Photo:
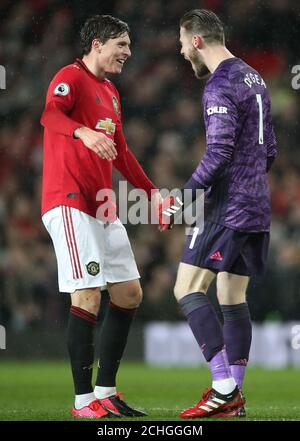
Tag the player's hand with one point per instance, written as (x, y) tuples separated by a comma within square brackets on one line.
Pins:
[(158, 204), (166, 217), (156, 200), (168, 209), (98, 142)]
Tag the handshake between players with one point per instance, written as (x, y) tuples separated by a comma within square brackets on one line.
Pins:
[(168, 208)]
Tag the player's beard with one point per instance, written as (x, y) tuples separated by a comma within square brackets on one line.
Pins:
[(200, 69)]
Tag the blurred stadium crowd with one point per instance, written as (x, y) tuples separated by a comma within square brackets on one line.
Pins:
[(162, 116)]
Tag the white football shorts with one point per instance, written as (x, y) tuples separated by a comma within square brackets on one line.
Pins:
[(89, 253)]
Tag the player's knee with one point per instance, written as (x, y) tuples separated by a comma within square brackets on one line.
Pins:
[(130, 299), (222, 297), (183, 289), (134, 298), (87, 299), (184, 286), (94, 304), (231, 298), (179, 291)]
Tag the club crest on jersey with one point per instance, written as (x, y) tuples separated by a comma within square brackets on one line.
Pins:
[(62, 89), (106, 124), (216, 109), (115, 104), (93, 268)]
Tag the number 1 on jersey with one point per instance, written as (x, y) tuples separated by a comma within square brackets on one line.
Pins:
[(261, 119), (195, 233)]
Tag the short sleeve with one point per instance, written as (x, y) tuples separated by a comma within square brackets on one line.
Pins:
[(63, 88)]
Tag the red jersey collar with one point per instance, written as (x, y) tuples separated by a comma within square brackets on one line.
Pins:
[(84, 66)]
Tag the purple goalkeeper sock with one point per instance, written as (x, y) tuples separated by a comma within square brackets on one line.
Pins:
[(219, 366), (204, 323), (237, 331), (238, 373)]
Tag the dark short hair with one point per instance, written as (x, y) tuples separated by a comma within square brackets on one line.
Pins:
[(101, 27), (205, 23)]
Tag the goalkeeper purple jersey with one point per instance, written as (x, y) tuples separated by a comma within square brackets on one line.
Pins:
[(240, 149)]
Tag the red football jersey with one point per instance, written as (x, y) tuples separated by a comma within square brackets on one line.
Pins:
[(72, 173)]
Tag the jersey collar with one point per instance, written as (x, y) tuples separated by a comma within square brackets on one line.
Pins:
[(84, 67)]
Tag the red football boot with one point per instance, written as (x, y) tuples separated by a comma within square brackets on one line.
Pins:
[(212, 403), (239, 412), (93, 410)]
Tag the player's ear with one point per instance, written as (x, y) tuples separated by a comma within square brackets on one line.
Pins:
[(97, 45), (197, 42)]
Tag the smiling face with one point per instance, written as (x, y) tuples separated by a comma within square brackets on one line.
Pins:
[(191, 53), (113, 54)]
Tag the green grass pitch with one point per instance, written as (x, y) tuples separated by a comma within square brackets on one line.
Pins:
[(43, 391)]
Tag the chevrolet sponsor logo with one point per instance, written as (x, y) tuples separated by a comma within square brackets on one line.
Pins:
[(107, 125)]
